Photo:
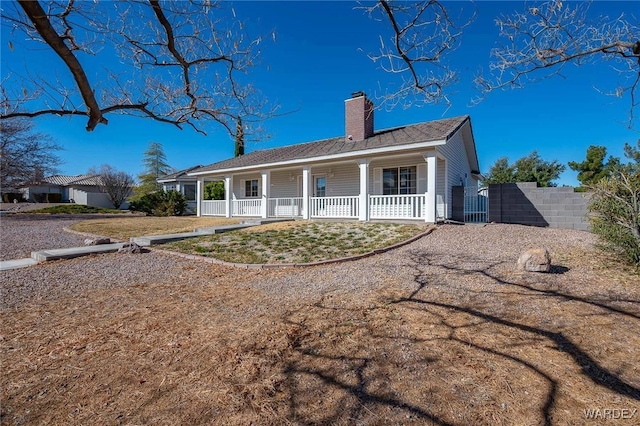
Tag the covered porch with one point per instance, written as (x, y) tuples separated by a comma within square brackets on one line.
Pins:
[(407, 187)]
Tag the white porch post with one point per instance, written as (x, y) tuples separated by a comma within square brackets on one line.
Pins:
[(430, 196), (266, 181), (228, 195), (364, 190), (199, 187), (306, 182)]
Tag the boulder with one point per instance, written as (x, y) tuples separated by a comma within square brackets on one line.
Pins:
[(130, 248), (96, 241), (535, 260)]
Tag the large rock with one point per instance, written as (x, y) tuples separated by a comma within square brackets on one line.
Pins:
[(535, 260), (96, 241), (130, 248)]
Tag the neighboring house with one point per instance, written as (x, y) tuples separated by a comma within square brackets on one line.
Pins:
[(79, 189), (401, 173), (184, 184)]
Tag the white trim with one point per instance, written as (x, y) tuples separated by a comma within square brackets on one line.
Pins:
[(364, 190), (431, 199), (361, 153), (306, 174), (199, 196)]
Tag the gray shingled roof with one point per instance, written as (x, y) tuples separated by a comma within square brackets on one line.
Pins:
[(62, 180), (399, 136), (178, 174)]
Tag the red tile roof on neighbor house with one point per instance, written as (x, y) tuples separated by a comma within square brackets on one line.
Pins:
[(400, 136)]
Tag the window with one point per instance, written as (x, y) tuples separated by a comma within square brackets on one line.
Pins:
[(251, 188), (321, 186), (190, 191), (399, 180), (169, 186)]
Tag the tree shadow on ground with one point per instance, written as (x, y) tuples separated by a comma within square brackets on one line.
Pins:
[(362, 382)]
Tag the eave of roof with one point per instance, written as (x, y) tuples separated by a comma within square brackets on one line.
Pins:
[(179, 174)]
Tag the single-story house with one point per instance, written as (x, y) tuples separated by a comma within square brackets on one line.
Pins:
[(401, 173), (78, 189), (183, 183)]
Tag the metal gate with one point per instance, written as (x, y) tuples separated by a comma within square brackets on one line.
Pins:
[(476, 205)]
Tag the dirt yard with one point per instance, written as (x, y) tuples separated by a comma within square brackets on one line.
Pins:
[(443, 331)]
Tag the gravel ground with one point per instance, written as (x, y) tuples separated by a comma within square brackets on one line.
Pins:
[(22, 234), (491, 249)]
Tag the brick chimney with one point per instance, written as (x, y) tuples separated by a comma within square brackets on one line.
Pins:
[(358, 117)]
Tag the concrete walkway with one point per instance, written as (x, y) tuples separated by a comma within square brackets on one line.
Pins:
[(145, 241)]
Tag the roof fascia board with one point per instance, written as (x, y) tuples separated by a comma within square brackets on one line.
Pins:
[(353, 154)]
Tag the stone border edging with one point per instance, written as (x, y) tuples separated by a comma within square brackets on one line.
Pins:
[(294, 265)]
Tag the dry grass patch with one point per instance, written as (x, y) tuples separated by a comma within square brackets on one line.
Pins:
[(125, 228), (297, 242)]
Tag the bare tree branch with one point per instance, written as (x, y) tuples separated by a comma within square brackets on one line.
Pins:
[(36, 13), (422, 34), (152, 39), (542, 40)]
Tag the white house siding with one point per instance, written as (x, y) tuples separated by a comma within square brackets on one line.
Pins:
[(282, 184), (457, 163), (343, 180), (30, 192)]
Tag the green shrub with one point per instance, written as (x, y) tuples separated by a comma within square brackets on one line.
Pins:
[(160, 203), (615, 208), (214, 191)]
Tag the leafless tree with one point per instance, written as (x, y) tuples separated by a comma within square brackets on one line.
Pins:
[(116, 184), (542, 40), (422, 33), (178, 62), (24, 154)]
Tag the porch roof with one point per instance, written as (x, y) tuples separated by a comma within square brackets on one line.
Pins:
[(431, 131), (181, 174)]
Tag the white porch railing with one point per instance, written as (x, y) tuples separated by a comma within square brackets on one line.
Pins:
[(250, 207), (334, 207), (397, 206), (213, 208), (284, 207)]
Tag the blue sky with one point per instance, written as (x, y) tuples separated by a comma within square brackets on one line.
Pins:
[(319, 59)]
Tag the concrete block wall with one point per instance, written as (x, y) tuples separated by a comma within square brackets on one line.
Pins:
[(526, 204)]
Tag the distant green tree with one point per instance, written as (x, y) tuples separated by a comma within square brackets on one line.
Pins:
[(531, 168), (214, 191), (239, 144), (594, 168), (500, 172), (155, 166), (632, 153)]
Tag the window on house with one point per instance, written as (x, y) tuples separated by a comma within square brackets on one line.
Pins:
[(321, 186), (251, 188), (190, 191), (169, 187), (399, 180)]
